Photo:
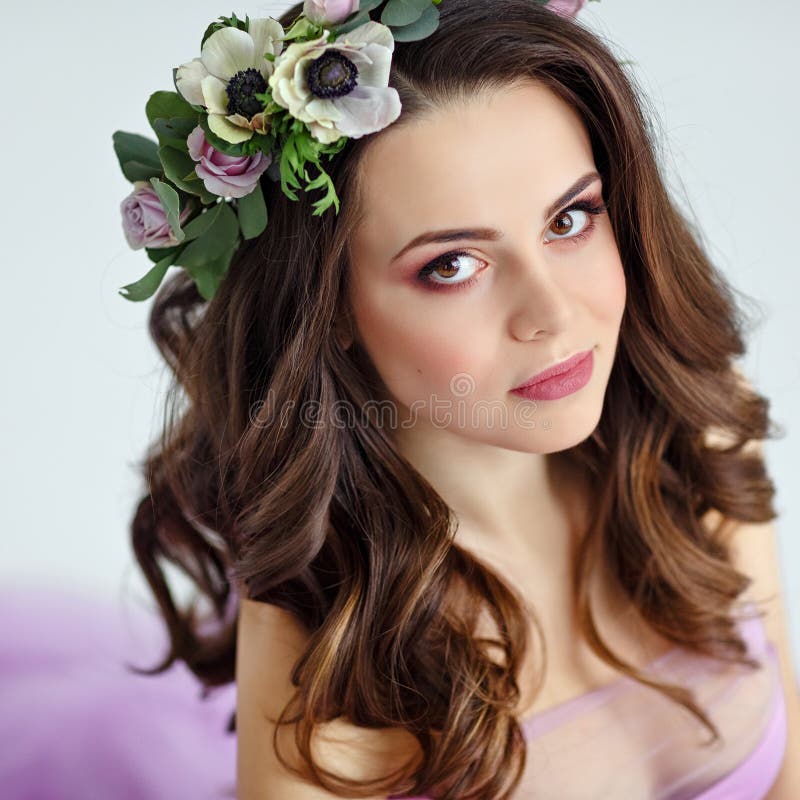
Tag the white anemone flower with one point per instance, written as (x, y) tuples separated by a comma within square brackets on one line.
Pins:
[(341, 88), (230, 71)]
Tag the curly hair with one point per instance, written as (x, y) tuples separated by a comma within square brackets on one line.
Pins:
[(331, 523)]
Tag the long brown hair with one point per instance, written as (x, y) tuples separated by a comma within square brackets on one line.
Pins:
[(330, 522)]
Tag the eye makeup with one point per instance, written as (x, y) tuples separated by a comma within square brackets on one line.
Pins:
[(592, 206)]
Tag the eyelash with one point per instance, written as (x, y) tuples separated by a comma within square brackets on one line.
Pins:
[(593, 206)]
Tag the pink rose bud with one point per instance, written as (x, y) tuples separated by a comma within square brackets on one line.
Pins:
[(567, 8), (224, 175), (144, 220), (329, 12)]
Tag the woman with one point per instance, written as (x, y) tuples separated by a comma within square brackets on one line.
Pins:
[(463, 587)]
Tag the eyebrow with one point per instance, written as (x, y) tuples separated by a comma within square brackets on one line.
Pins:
[(492, 234)]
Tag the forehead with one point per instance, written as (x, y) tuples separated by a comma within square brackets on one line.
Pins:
[(505, 150)]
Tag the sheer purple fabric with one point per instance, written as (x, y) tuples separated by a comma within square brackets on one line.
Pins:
[(74, 724), (626, 740)]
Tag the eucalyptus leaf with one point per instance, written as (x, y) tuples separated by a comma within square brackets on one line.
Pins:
[(146, 286), (364, 7), (171, 203), (219, 237), (209, 274), (359, 19), (168, 105), (177, 165), (403, 12), (174, 131), (197, 227), (155, 254), (252, 213), (137, 156), (134, 171), (421, 29), (368, 5)]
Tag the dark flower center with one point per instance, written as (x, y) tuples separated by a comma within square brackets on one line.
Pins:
[(331, 75), (241, 88)]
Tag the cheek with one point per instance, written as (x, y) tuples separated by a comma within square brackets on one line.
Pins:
[(608, 292), (416, 352)]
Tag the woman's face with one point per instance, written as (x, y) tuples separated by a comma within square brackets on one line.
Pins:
[(519, 283)]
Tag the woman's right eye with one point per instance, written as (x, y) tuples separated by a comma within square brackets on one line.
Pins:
[(449, 265)]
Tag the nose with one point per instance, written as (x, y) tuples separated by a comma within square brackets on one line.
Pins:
[(540, 305)]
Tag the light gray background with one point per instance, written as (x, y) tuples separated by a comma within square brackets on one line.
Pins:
[(83, 386)]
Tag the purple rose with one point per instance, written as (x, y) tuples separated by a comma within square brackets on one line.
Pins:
[(224, 175), (567, 8), (329, 12), (144, 220)]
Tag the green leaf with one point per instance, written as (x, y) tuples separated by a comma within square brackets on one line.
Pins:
[(171, 203), (207, 258), (201, 223), (219, 237), (360, 18), (252, 213), (421, 29), (209, 275), (137, 156), (302, 27), (134, 171), (174, 131), (403, 12), (147, 285), (355, 19), (220, 144), (155, 254), (368, 5), (177, 165), (168, 105)]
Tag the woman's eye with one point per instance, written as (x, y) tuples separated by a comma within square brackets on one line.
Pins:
[(577, 221), (450, 269), (568, 224)]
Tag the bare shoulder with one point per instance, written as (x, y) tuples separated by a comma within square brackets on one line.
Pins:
[(269, 642), (755, 552)]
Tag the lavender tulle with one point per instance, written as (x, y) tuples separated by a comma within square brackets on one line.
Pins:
[(75, 724)]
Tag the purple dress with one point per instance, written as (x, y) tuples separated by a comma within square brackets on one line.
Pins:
[(75, 725)]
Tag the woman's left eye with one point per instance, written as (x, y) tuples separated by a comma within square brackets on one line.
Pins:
[(575, 222)]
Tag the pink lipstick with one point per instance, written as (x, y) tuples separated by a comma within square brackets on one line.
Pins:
[(559, 380)]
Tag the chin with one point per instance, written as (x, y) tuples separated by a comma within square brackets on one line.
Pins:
[(551, 427)]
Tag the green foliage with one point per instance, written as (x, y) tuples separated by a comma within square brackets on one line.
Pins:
[(220, 144), (252, 211), (155, 254), (423, 27), (137, 156), (174, 132), (226, 22), (398, 13), (299, 148), (179, 169), (218, 236), (210, 275), (168, 105), (146, 286), (359, 18), (171, 204), (355, 19), (202, 222), (302, 28)]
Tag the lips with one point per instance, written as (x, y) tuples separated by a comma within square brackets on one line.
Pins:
[(556, 369)]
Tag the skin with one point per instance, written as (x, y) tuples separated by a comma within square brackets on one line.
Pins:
[(498, 161)]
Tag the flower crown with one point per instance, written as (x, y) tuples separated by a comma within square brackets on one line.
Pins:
[(248, 107)]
